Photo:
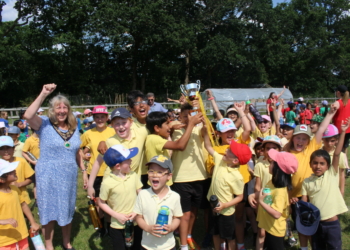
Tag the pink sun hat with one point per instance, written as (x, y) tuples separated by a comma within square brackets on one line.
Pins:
[(287, 162), (330, 131)]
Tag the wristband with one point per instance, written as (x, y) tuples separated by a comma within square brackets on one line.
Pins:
[(83, 170), (211, 98)]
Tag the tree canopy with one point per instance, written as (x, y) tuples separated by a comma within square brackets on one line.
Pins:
[(99, 47)]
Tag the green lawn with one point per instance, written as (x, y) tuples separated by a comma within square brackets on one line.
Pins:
[(83, 234)]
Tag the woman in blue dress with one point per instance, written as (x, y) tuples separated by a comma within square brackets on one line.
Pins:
[(56, 170)]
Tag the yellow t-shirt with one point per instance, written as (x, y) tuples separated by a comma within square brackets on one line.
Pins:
[(92, 138), (325, 194), (280, 203), (142, 127), (239, 132), (342, 164), (18, 149), (10, 207), (120, 194), (226, 183), (262, 171), (32, 145), (304, 170), (23, 171), (138, 138), (148, 205), (257, 133), (154, 146), (189, 164), (243, 169)]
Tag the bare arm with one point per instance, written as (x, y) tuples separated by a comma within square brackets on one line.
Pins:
[(304, 198), (24, 183), (231, 203), (25, 156), (30, 115), (95, 168), (324, 124), (213, 103), (246, 124), (80, 164), (207, 143), (275, 214), (257, 186), (122, 218), (279, 95), (342, 181), (335, 162), (155, 230), (26, 210)]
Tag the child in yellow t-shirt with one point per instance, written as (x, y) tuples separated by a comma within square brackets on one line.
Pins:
[(118, 194), (14, 133), (24, 171), (14, 232), (273, 209)]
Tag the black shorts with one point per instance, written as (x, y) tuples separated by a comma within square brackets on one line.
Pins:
[(118, 239), (205, 204), (97, 185), (222, 225), (273, 242), (327, 236), (191, 194), (33, 176)]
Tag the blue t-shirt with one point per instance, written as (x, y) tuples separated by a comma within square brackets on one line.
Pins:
[(5, 121), (157, 107)]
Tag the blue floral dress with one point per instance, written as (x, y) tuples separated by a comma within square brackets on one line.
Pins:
[(56, 175)]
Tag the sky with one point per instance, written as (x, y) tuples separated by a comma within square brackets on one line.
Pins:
[(9, 13)]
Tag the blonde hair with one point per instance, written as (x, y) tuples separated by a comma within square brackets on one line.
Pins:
[(4, 115), (70, 120), (345, 97)]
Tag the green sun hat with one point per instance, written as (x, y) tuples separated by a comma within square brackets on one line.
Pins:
[(317, 118)]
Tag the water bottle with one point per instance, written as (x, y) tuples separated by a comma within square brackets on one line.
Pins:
[(214, 202), (163, 216), (254, 112), (94, 215), (36, 239), (268, 198), (129, 233)]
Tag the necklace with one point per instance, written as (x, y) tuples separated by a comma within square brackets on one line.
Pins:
[(64, 135)]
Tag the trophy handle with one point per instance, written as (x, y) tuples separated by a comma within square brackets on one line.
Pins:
[(198, 85), (183, 90)]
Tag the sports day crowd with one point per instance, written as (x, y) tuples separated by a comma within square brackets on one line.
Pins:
[(281, 173)]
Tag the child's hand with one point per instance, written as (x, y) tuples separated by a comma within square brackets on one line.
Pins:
[(251, 199), (209, 93), (155, 230), (261, 196), (293, 200), (102, 147), (91, 192), (194, 120), (240, 106), (345, 124), (132, 216), (15, 183), (167, 228), (333, 109), (177, 126), (11, 222), (48, 89), (182, 99), (122, 218), (195, 103), (87, 157), (35, 227), (220, 207)]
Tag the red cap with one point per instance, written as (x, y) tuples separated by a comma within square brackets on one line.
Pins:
[(241, 151), (100, 110), (287, 162)]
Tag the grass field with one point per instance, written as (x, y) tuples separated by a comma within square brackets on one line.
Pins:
[(84, 236)]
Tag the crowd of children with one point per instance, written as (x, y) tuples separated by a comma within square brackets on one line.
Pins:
[(288, 169)]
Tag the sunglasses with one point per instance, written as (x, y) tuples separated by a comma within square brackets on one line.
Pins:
[(264, 122)]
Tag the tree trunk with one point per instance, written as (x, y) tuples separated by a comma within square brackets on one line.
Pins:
[(187, 72)]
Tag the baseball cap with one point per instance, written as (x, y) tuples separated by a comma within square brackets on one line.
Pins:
[(288, 124), (6, 140), (308, 218), (40, 110), (76, 113), (118, 153), (317, 118), (301, 99), (302, 129), (100, 110), (87, 120), (341, 88), (241, 151), (330, 131), (162, 161), (266, 117), (7, 167), (324, 102), (14, 130), (87, 111), (231, 110), (287, 162), (120, 112), (224, 125), (274, 139)]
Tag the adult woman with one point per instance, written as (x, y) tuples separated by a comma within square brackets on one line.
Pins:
[(343, 107), (273, 98), (56, 170)]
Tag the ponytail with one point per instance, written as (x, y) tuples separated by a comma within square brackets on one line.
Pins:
[(345, 97)]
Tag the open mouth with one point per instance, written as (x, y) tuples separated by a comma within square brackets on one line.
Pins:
[(155, 183), (142, 112), (299, 147), (122, 132)]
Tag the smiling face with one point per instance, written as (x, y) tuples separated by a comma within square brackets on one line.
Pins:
[(184, 116), (264, 126), (159, 177), (140, 109), (227, 137), (232, 115), (314, 126), (100, 120), (230, 158), (319, 165), (61, 112), (20, 125), (122, 127), (287, 132), (300, 142), (164, 130), (267, 146), (10, 177), (6, 153), (330, 143)]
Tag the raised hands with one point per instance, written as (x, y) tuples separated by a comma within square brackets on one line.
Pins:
[(345, 125), (48, 89)]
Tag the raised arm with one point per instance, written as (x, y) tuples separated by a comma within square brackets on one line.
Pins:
[(30, 115), (245, 121), (279, 95), (213, 103), (344, 126), (207, 143), (324, 124)]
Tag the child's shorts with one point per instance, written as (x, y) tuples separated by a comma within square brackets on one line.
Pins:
[(222, 225), (327, 236), (20, 245), (97, 185)]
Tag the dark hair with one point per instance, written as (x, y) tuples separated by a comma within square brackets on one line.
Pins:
[(279, 178), (270, 96), (132, 97), (156, 118), (15, 122), (170, 110), (2, 131), (321, 153), (185, 106), (21, 113), (308, 103), (221, 111), (325, 110), (291, 105)]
